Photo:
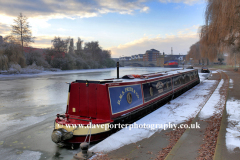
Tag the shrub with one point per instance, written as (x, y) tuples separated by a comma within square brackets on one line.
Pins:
[(3, 61), (14, 68), (37, 58)]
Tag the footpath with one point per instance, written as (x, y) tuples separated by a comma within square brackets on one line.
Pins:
[(222, 152), (208, 142)]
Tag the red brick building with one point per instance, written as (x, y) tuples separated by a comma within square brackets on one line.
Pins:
[(151, 55)]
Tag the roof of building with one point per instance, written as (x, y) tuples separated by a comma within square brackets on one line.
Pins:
[(152, 50), (115, 59), (31, 49), (177, 56), (173, 57)]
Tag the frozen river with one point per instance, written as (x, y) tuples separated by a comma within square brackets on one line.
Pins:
[(28, 107)]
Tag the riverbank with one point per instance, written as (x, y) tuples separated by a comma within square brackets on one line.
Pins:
[(218, 137), (15, 69)]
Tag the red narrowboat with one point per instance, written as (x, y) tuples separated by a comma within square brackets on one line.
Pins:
[(171, 64), (95, 105)]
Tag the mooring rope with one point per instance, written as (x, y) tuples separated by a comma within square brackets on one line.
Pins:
[(90, 129)]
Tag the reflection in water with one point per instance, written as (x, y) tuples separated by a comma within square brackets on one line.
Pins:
[(57, 156)]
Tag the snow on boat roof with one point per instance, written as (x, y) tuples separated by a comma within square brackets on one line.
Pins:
[(131, 78)]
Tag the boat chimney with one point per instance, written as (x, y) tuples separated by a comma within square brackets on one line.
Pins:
[(117, 70)]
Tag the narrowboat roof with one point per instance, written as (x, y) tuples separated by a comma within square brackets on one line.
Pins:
[(130, 78)]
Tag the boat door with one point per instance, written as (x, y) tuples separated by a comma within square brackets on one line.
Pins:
[(88, 100)]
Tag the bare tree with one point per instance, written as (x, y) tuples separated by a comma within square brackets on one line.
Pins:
[(92, 56), (94, 49), (194, 52), (60, 45), (222, 28), (22, 30), (79, 44)]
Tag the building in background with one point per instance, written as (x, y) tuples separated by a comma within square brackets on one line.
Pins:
[(32, 50), (160, 61), (140, 57), (134, 57), (125, 58), (151, 55), (179, 58)]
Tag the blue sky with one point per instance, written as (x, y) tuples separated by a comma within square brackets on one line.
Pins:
[(125, 27)]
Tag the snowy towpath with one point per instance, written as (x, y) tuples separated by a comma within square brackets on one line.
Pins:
[(179, 110), (233, 128)]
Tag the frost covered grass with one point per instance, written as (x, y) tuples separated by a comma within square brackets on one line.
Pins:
[(230, 83), (203, 76), (233, 128), (16, 69), (209, 108)]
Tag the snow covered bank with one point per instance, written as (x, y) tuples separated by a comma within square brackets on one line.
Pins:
[(233, 128), (31, 73), (230, 83), (16, 69), (209, 108), (179, 110), (203, 76)]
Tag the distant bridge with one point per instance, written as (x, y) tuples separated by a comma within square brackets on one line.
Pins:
[(139, 63)]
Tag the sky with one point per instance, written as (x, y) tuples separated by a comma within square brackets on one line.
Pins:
[(126, 27)]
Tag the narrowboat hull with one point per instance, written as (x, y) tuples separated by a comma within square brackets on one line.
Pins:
[(170, 66), (95, 108)]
